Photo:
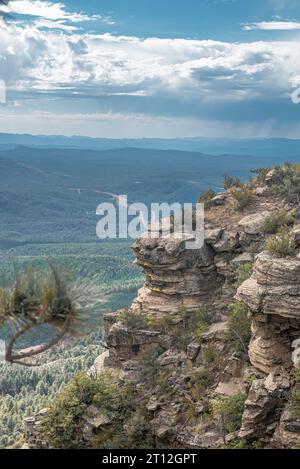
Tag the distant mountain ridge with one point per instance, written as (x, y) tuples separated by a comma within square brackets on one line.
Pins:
[(277, 147), (51, 194)]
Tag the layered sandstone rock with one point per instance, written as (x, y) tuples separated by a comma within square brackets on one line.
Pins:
[(176, 278), (126, 343), (287, 434), (261, 410), (273, 296)]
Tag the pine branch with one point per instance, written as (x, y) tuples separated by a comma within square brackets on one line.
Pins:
[(11, 358)]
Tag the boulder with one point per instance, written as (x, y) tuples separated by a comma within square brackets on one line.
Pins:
[(296, 235), (188, 438), (165, 421), (234, 368), (217, 331), (230, 388), (241, 259), (277, 380), (228, 242), (171, 359), (101, 362), (251, 294), (253, 224), (126, 344), (271, 271), (193, 349), (273, 177), (213, 235), (153, 404), (219, 199), (95, 418), (261, 191), (259, 411)]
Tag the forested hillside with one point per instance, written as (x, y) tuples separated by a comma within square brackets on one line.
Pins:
[(48, 201), (24, 391)]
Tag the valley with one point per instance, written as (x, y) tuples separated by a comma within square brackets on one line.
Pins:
[(48, 200)]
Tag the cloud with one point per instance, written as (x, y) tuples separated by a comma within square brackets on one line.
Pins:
[(273, 26), (59, 24), (184, 70), (135, 125), (49, 11), (114, 84)]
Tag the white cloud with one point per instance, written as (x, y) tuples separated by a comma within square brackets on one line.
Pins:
[(273, 26), (43, 56), (59, 24), (49, 11), (153, 77), (45, 59)]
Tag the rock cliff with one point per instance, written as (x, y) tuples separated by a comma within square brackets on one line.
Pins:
[(183, 343)]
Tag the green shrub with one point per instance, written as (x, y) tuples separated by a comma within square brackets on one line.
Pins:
[(62, 426), (296, 393), (150, 364), (139, 431), (231, 181), (276, 220), (180, 341), (210, 355), (194, 324), (229, 411), (193, 319), (201, 379), (287, 184), (164, 324), (135, 431), (241, 443), (282, 243), (243, 197), (242, 273), (239, 331), (206, 198), (297, 375), (296, 402), (152, 371), (261, 174), (134, 320)]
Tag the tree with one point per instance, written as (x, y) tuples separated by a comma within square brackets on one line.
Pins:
[(37, 298)]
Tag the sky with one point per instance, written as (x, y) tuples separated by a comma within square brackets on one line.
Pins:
[(151, 68)]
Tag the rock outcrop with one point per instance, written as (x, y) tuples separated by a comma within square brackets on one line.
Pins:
[(273, 297), (180, 280), (195, 363), (175, 278), (32, 433)]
